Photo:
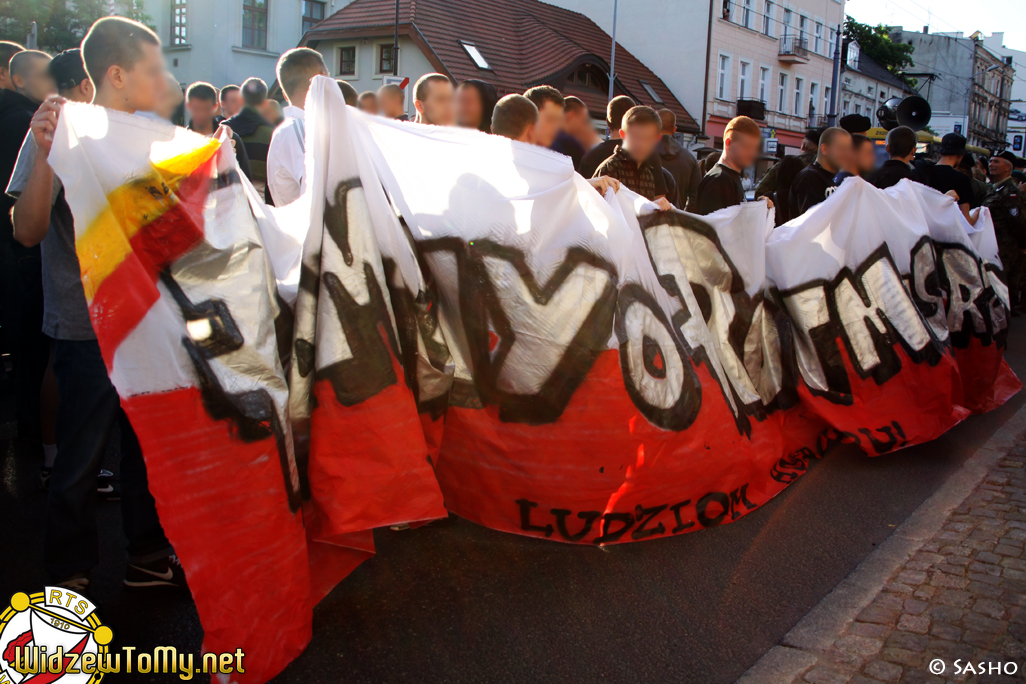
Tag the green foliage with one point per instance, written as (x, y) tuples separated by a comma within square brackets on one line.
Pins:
[(875, 42), (61, 24)]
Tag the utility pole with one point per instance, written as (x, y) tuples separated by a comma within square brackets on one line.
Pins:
[(395, 44), (835, 76), (612, 63)]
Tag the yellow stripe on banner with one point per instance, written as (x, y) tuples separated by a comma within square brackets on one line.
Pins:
[(105, 244)]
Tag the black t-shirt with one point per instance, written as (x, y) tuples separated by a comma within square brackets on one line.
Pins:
[(812, 185), (890, 173), (720, 188), (943, 178)]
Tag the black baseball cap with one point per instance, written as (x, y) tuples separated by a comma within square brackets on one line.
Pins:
[(952, 143), (67, 69), (855, 123), (813, 135)]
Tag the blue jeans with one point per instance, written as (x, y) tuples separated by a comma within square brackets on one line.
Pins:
[(89, 407)]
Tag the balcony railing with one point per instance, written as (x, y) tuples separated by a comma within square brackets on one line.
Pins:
[(794, 48), (755, 109)]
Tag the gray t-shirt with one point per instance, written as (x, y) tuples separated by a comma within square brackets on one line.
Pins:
[(65, 312)]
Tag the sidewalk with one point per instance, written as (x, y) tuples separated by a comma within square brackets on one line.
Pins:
[(942, 600)]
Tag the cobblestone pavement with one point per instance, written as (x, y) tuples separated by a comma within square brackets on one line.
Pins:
[(960, 601)]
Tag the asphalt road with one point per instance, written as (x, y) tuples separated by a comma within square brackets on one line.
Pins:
[(455, 602)]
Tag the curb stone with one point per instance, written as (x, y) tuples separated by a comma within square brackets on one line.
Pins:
[(801, 648)]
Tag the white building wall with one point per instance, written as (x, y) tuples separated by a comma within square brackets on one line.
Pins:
[(1017, 117), (214, 51)]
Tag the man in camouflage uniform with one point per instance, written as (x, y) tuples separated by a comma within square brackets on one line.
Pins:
[(1008, 210)]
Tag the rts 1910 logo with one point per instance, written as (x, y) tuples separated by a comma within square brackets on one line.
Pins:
[(52, 636)]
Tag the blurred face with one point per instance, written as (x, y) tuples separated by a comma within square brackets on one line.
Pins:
[(34, 82), (391, 104), (640, 140), (369, 104), (550, 123), (231, 104), (1000, 169), (440, 106), (577, 122), (468, 107), (169, 100), (865, 158), (143, 88), (271, 110), (201, 112), (742, 149), (837, 153)]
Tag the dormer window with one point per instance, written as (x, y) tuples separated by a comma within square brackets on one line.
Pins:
[(587, 77), (853, 55), (651, 92), (475, 55)]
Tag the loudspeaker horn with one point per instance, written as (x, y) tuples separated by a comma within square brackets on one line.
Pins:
[(913, 111)]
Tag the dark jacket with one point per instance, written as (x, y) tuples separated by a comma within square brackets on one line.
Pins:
[(683, 166), (568, 145), (768, 184), (16, 112), (890, 173), (255, 133), (594, 157), (718, 189), (640, 179), (240, 151)]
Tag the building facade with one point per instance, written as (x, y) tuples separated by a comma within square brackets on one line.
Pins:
[(866, 84), (1017, 112), (472, 39), (968, 86), (230, 40)]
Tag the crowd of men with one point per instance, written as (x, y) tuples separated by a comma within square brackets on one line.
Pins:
[(66, 401)]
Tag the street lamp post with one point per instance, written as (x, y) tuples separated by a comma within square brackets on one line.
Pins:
[(395, 43), (612, 63)]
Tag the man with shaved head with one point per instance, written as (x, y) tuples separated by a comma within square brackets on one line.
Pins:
[(7, 50)]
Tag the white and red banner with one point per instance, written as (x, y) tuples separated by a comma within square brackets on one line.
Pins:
[(449, 320)]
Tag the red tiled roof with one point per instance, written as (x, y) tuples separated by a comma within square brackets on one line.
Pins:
[(526, 43)]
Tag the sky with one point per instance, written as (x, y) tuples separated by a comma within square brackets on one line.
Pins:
[(947, 15)]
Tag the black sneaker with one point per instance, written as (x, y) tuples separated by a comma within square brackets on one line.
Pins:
[(165, 572), (106, 488)]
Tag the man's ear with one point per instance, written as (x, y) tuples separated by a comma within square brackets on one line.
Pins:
[(623, 132)]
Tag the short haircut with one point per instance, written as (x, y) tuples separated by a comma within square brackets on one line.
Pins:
[(296, 67), (21, 60), (669, 120), (390, 89), (367, 94), (901, 141), (539, 95), (201, 91), (226, 91), (423, 86), (641, 116), (254, 91), (114, 41), (743, 125), (349, 93), (858, 140), (572, 103), (831, 134), (8, 50), (616, 108), (512, 115)]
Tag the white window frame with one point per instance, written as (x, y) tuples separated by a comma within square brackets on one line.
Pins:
[(782, 90), (338, 62), (744, 74), (803, 25), (799, 84), (768, 13), (723, 75), (179, 40), (814, 94), (827, 95), (747, 13), (818, 37), (765, 84)]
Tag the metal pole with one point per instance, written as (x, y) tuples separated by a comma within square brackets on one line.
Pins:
[(395, 44), (612, 64), (835, 76)]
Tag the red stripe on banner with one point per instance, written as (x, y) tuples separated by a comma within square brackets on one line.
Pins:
[(570, 481), (987, 381), (919, 404), (369, 464), (124, 297), (223, 506)]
